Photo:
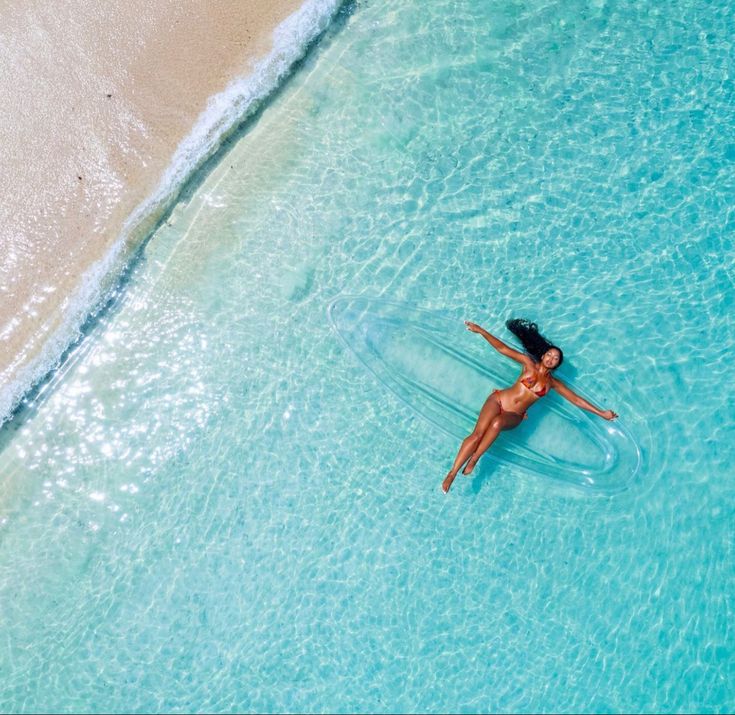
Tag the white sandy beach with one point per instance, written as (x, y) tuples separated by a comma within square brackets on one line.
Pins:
[(96, 99)]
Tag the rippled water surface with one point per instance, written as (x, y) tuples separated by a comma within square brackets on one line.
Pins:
[(214, 506)]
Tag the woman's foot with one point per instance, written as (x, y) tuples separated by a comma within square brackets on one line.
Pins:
[(448, 482)]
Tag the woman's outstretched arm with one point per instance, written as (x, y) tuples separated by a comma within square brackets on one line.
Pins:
[(579, 401), (499, 345)]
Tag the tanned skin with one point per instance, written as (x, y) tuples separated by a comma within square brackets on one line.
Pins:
[(515, 401)]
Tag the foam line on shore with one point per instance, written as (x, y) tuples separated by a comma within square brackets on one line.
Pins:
[(225, 111)]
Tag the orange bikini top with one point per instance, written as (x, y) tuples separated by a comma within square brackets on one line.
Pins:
[(530, 381)]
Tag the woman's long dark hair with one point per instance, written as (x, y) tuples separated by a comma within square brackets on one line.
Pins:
[(534, 343)]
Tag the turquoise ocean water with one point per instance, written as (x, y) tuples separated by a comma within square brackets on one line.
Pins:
[(214, 506)]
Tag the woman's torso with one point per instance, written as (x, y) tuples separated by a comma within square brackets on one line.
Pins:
[(526, 390)]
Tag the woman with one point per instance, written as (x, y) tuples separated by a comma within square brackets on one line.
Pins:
[(505, 409)]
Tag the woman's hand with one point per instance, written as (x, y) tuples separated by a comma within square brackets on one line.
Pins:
[(473, 327), (609, 415)]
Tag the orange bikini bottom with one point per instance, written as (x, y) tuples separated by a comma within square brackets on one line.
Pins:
[(500, 405)]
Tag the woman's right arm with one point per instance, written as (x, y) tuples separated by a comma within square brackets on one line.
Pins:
[(499, 345)]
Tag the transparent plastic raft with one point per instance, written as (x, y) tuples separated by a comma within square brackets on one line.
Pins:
[(444, 373)]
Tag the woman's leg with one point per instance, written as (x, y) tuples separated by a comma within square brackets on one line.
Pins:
[(508, 420), (489, 411)]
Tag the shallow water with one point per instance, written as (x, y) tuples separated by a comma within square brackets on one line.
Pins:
[(214, 506)]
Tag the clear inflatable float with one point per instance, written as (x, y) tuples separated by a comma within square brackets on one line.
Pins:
[(444, 373)]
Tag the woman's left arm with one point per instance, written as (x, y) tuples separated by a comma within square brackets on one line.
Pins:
[(579, 401)]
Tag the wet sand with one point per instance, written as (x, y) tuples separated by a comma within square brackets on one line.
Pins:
[(96, 99)]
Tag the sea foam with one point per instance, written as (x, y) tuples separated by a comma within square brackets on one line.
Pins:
[(225, 111)]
